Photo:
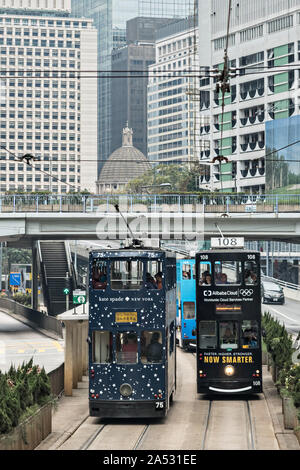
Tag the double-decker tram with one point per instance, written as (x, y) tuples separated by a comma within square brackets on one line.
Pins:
[(186, 303), (132, 333), (228, 322)]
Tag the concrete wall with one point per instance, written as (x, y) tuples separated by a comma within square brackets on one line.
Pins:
[(38, 319)]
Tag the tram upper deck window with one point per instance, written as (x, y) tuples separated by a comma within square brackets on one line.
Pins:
[(204, 274), (126, 275), (188, 272), (250, 273), (249, 334), (229, 272), (127, 348), (154, 276), (102, 347), (99, 275), (208, 335), (228, 332), (151, 347)]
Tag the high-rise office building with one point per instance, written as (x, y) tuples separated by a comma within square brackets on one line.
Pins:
[(172, 109), (129, 92), (45, 108), (110, 18), (264, 47)]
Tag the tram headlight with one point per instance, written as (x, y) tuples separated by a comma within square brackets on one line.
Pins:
[(126, 390), (229, 371)]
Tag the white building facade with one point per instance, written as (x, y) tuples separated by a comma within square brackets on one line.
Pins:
[(264, 47), (172, 109), (48, 108)]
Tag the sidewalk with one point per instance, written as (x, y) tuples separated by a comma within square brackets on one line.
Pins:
[(71, 412), (67, 416)]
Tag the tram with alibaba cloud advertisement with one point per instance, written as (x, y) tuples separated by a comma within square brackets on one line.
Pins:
[(132, 333), (228, 322)]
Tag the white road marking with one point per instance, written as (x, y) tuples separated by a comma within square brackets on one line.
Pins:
[(283, 315)]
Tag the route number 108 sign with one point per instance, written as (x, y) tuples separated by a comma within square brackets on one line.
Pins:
[(228, 242)]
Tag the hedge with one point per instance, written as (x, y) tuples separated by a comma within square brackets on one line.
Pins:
[(280, 345), (21, 389)]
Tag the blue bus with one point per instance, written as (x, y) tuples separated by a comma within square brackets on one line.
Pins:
[(132, 333), (186, 303)]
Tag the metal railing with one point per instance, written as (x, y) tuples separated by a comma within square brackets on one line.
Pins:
[(285, 284), (150, 203)]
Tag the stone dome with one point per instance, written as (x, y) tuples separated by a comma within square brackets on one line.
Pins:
[(124, 164)]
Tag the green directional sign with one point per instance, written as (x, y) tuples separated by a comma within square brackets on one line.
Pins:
[(66, 291), (79, 297)]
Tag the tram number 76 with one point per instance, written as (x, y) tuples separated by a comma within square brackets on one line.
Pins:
[(159, 405)]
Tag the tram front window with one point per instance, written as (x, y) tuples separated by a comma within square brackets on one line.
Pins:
[(228, 332), (126, 275), (102, 347), (127, 348), (204, 274), (151, 347), (250, 273), (229, 272), (99, 275), (249, 334)]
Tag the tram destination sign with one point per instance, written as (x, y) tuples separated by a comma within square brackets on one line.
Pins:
[(126, 317), (228, 242)]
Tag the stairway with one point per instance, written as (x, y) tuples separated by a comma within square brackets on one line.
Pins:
[(56, 262)]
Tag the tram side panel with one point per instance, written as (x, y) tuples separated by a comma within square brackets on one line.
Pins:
[(228, 323), (186, 302)]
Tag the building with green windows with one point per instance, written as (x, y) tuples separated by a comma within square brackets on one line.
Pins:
[(263, 52)]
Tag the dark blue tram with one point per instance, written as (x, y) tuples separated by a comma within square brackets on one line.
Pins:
[(132, 315)]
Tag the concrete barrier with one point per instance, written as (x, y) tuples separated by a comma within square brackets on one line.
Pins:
[(38, 319), (291, 293), (57, 380)]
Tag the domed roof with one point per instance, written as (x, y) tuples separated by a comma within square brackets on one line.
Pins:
[(125, 163)]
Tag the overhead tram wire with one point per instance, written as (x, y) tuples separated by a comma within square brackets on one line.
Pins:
[(26, 162), (139, 161)]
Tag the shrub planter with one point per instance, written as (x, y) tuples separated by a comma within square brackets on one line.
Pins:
[(29, 434)]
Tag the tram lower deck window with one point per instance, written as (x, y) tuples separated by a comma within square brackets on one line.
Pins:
[(189, 310), (208, 335), (102, 347), (151, 347), (249, 334), (127, 348), (228, 332)]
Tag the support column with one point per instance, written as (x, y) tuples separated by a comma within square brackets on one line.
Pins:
[(75, 354), (79, 370), (35, 282), (68, 378), (84, 336)]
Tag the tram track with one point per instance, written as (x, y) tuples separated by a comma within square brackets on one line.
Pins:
[(224, 415), (105, 432)]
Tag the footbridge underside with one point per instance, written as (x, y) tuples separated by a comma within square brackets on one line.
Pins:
[(23, 229)]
